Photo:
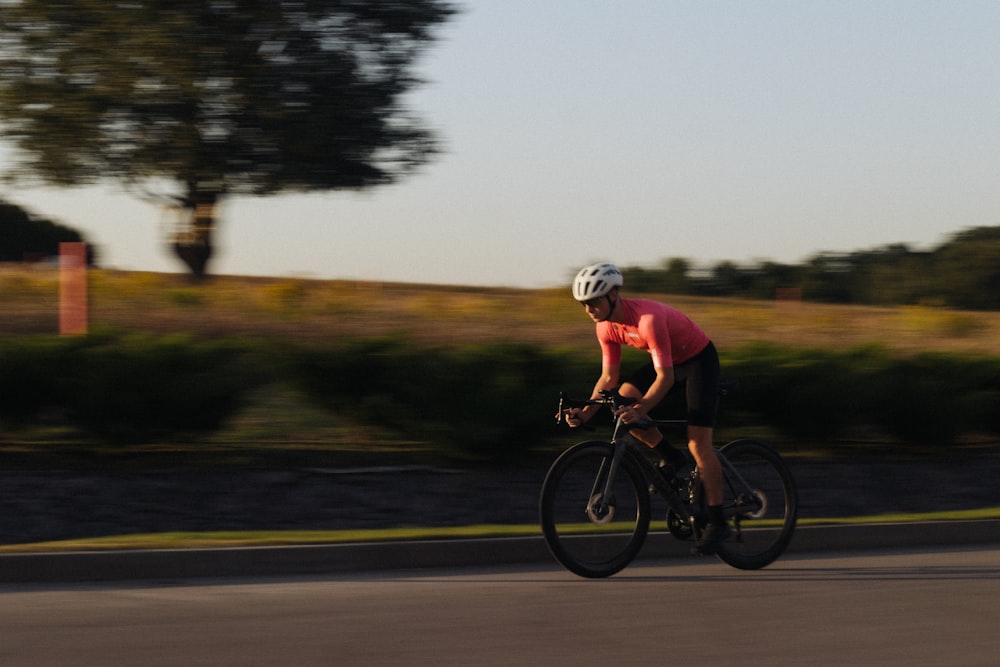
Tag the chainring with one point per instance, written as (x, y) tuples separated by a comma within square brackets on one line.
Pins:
[(678, 527)]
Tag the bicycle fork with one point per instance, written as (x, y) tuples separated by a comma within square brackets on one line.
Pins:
[(601, 505)]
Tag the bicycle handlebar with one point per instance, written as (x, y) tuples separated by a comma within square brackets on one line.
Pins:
[(614, 400), (608, 397)]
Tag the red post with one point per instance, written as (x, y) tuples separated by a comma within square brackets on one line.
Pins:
[(72, 288)]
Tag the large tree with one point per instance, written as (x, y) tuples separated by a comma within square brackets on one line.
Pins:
[(196, 100)]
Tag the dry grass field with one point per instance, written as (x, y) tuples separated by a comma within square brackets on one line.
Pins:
[(314, 311)]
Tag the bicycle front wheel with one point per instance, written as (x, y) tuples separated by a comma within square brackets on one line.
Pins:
[(592, 525), (760, 502)]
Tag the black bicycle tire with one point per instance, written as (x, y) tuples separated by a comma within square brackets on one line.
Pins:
[(547, 498), (728, 553)]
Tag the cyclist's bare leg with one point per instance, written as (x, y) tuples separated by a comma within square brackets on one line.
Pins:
[(700, 446), (650, 437)]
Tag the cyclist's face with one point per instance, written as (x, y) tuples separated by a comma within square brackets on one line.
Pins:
[(598, 308)]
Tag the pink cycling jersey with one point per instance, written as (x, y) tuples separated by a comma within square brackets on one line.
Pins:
[(669, 336)]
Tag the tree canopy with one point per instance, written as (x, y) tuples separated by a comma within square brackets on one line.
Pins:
[(212, 98), (24, 237)]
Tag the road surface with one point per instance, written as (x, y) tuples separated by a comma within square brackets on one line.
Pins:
[(914, 607)]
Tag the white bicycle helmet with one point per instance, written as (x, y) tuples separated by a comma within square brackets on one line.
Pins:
[(596, 280)]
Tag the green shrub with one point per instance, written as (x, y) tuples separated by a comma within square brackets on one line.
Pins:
[(32, 373), (929, 398), (484, 402), (490, 402), (140, 389), (806, 393), (975, 384), (496, 401), (125, 388)]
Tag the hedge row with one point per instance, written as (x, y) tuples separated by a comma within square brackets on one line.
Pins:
[(484, 401), (925, 398), (123, 388)]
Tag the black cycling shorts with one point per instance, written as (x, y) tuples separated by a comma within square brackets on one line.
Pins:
[(700, 378)]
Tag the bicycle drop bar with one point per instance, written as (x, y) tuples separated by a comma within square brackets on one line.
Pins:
[(612, 399), (566, 402)]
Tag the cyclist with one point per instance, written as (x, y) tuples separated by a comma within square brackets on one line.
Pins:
[(680, 353)]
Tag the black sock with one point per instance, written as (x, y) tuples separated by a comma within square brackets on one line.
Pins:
[(715, 516)]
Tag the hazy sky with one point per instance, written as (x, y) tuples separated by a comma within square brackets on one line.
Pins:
[(586, 130)]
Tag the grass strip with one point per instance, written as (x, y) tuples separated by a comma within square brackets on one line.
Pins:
[(216, 539), (954, 515), (221, 539)]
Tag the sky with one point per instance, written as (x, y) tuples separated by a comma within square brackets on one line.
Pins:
[(577, 131)]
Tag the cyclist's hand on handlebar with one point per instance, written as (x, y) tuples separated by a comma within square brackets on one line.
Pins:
[(573, 417), (629, 414)]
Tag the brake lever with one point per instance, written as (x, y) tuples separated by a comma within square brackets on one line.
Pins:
[(561, 417)]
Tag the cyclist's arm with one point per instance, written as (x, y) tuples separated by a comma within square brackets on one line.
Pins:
[(657, 391), (657, 335)]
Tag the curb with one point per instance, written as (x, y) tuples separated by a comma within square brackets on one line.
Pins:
[(127, 565)]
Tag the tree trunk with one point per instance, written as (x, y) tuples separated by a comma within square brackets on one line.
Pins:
[(193, 241)]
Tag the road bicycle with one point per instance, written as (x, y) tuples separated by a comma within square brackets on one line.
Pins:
[(595, 501)]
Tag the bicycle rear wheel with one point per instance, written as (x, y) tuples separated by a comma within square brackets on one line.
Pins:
[(760, 502), (591, 532)]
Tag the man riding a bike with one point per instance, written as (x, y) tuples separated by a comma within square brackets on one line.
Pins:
[(680, 354)]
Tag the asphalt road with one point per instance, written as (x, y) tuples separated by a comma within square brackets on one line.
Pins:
[(929, 606)]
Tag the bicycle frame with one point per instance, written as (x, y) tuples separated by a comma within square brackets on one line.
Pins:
[(747, 503), (620, 447)]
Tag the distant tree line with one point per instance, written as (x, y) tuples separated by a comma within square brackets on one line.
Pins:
[(963, 272), (26, 238)]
